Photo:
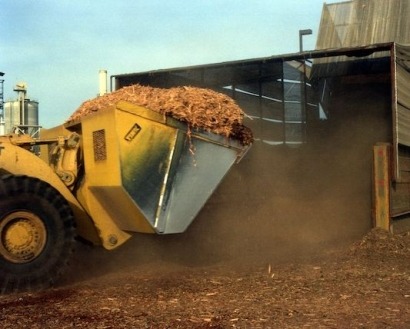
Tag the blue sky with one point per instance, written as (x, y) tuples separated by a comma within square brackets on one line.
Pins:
[(58, 47)]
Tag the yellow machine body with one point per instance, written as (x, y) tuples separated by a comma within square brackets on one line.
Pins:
[(17, 160)]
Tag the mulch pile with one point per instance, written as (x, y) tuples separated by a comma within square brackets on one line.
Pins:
[(200, 108), (366, 285), (379, 241)]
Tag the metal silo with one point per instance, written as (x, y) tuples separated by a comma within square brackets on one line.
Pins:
[(31, 115), (21, 115), (11, 115)]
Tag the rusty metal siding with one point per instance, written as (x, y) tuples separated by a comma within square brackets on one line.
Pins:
[(402, 93), (401, 112), (364, 22)]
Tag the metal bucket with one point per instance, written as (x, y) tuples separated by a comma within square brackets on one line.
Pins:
[(150, 172)]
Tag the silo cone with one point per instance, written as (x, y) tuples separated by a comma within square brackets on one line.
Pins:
[(148, 171)]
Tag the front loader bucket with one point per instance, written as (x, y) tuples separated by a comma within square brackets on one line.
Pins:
[(198, 165), (149, 171)]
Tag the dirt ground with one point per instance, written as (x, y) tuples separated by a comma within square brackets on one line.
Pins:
[(365, 284)]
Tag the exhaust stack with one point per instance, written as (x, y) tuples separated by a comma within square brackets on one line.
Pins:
[(103, 82)]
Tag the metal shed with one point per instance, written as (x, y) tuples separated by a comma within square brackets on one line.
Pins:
[(319, 118)]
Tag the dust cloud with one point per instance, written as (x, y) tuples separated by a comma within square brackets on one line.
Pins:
[(279, 203)]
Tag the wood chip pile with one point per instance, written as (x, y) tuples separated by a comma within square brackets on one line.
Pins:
[(199, 108)]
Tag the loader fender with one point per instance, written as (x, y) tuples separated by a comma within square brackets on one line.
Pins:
[(16, 160)]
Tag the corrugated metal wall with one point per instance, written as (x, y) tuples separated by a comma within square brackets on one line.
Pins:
[(403, 94), (364, 22), (401, 113)]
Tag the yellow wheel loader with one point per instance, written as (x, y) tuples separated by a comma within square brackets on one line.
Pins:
[(122, 170)]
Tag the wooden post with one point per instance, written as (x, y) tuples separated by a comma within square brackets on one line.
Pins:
[(381, 185)]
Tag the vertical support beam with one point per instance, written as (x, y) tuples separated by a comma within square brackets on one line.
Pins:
[(381, 185), (260, 102), (283, 103), (395, 116), (303, 100)]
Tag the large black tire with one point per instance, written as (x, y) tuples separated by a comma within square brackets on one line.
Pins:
[(36, 234)]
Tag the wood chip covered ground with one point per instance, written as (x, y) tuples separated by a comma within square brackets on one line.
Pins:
[(362, 285), (200, 108)]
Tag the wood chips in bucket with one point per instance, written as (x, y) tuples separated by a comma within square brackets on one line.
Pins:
[(200, 108)]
